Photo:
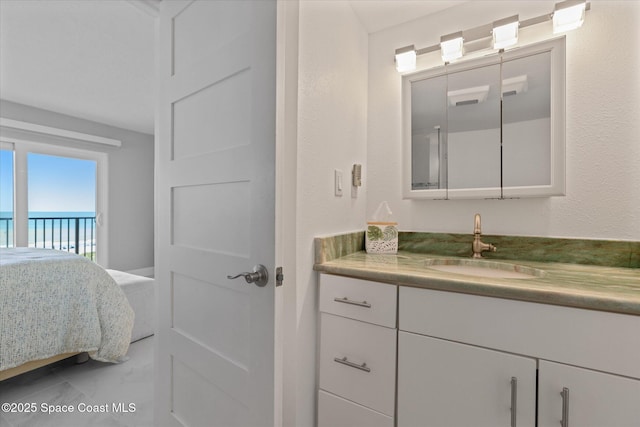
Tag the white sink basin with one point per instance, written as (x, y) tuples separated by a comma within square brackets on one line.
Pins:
[(483, 268)]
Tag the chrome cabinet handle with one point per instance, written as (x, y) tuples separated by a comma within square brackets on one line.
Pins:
[(514, 400), (260, 275), (346, 300), (345, 361), (565, 407)]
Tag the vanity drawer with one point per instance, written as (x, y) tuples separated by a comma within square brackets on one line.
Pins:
[(346, 346), (334, 411), (371, 302)]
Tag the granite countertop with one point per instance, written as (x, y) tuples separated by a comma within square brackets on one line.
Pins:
[(613, 289)]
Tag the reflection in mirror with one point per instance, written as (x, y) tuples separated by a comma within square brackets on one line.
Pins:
[(429, 133), (526, 120), (474, 128)]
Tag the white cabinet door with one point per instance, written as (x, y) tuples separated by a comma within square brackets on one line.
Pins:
[(443, 383), (594, 399)]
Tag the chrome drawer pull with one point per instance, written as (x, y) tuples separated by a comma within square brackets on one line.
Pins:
[(565, 407), (346, 300), (344, 361), (514, 400)]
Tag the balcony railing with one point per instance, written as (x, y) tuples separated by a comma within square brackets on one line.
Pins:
[(6, 232), (71, 234)]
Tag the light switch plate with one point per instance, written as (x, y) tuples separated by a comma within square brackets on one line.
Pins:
[(338, 182)]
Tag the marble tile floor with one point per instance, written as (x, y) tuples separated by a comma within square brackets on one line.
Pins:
[(106, 387)]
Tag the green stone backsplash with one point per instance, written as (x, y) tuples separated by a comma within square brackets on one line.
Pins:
[(332, 247), (610, 253)]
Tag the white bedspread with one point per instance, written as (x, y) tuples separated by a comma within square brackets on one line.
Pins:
[(54, 302)]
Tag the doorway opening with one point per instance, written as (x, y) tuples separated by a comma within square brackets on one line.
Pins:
[(62, 203)]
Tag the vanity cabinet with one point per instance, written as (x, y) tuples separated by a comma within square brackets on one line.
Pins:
[(457, 354), (471, 360), (357, 353), (453, 384)]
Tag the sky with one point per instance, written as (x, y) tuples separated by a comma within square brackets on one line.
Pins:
[(6, 181), (55, 184)]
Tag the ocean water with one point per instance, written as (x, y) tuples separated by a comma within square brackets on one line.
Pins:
[(53, 230)]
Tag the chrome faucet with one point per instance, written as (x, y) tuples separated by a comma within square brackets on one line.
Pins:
[(477, 246)]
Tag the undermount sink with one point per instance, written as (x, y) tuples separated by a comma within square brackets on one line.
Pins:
[(483, 268)]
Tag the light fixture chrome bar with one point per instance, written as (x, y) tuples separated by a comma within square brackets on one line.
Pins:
[(477, 33), (452, 36), (569, 3), (473, 38), (471, 35), (505, 21), (478, 45), (535, 21), (405, 49), (434, 48)]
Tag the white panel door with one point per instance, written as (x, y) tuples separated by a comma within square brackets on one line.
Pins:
[(215, 168), (448, 384)]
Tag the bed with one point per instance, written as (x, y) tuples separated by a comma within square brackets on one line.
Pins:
[(54, 304), (140, 292)]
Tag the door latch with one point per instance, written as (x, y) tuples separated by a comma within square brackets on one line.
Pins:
[(279, 276)]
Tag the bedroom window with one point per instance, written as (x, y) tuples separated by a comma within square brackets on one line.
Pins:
[(53, 197)]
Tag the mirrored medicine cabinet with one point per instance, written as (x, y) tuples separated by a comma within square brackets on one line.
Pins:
[(492, 127)]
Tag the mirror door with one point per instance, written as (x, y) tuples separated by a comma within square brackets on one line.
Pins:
[(527, 121), (473, 106), (429, 134)]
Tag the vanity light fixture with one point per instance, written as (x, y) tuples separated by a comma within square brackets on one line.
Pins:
[(451, 46), (568, 15), (505, 32), (406, 59)]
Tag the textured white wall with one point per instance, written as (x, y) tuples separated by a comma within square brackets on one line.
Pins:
[(603, 127), (332, 125)]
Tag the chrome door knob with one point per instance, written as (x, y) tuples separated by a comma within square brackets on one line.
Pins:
[(259, 276)]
